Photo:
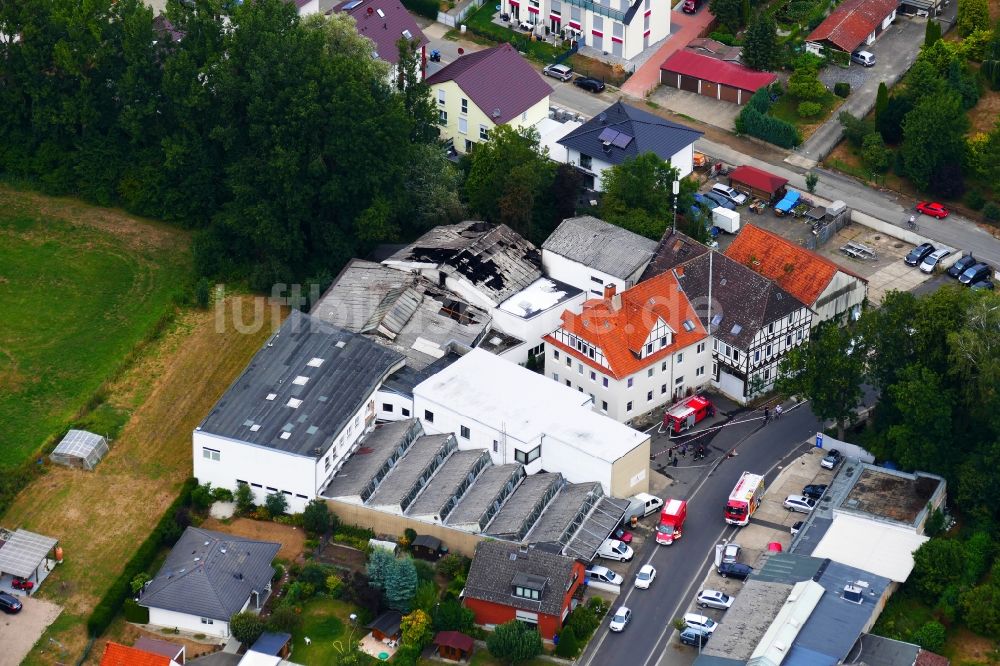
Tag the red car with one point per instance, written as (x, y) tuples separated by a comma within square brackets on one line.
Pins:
[(623, 535), (932, 208)]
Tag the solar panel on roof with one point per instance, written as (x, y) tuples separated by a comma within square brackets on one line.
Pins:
[(622, 140), (352, 4), (608, 135)]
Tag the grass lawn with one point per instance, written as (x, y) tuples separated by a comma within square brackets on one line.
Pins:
[(79, 288), (327, 624), (786, 108)]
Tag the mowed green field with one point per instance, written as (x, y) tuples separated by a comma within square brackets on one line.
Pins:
[(80, 286)]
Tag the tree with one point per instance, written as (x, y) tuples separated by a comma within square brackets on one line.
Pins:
[(924, 435), (760, 45), (881, 99), (638, 195), (981, 609), (936, 565), (400, 584), (246, 627), (416, 628), (244, 498), (415, 92), (855, 129), (284, 619), (380, 562), (933, 134), (972, 15), (890, 121), (825, 372), (932, 33), (728, 12), (744, 12), (804, 83), (514, 642), (931, 636), (426, 596), (139, 582), (875, 154), (316, 517), (451, 615), (568, 646), (811, 179), (275, 503)]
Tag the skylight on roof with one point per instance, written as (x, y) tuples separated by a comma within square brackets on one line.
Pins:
[(407, 34), (271, 396), (294, 403), (688, 325), (716, 319), (285, 435), (315, 362), (736, 329), (300, 380), (255, 427), (381, 14)]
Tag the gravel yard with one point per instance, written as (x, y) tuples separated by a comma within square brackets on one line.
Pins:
[(18, 633)]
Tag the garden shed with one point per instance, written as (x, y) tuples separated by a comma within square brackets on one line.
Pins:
[(80, 448), (758, 183)]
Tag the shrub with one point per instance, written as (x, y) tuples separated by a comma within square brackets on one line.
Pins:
[(244, 499), (425, 571), (809, 109), (426, 8), (452, 565), (136, 613), (409, 535), (975, 200), (855, 129), (991, 211), (246, 627), (203, 293), (754, 121), (811, 180), (568, 646), (285, 619), (584, 622), (931, 636), (279, 572), (514, 641), (139, 582), (334, 585), (222, 494), (201, 497), (451, 615), (315, 574), (316, 517), (842, 89), (276, 504)]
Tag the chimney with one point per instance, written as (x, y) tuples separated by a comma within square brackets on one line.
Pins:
[(616, 302), (610, 290), (679, 272)]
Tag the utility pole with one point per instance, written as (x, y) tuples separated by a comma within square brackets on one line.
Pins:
[(677, 190)]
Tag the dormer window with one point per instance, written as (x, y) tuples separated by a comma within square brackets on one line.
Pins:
[(527, 593), (528, 586)]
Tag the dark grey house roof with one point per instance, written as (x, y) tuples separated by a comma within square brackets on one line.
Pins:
[(388, 623), (872, 650), (271, 643), (211, 574), (379, 450), (301, 388), (599, 245), (645, 133), (498, 563)]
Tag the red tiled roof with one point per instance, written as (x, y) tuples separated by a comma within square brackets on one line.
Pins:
[(851, 22), (383, 22), (620, 328), (116, 654), (498, 80), (925, 658), (700, 66), (454, 639), (757, 179), (801, 272)]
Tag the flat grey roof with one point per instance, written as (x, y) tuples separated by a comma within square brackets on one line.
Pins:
[(379, 447), (881, 651), (484, 493), (448, 480), (565, 512), (301, 388), (407, 473), (602, 246), (605, 516), (744, 624), (22, 551), (521, 510)]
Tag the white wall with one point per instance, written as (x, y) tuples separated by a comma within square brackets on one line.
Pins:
[(584, 468), (580, 276), (402, 406), (448, 419), (834, 303), (534, 329), (311, 7), (192, 623), (683, 160)]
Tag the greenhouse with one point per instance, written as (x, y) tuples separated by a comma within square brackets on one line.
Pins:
[(80, 448)]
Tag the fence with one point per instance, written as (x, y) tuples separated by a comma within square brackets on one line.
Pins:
[(824, 230), (454, 17)]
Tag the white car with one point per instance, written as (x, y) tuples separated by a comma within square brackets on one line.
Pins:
[(620, 619), (706, 624), (613, 549), (731, 195), (933, 259), (800, 503), (645, 576), (714, 599), (604, 575), (731, 553)]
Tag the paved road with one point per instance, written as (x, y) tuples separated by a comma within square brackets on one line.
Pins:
[(682, 567)]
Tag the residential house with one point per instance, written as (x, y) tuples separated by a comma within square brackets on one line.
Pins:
[(207, 578), (296, 412), (385, 22), (522, 417), (621, 28), (510, 582), (699, 71), (306, 7), (116, 654), (753, 322), (632, 352), (484, 89), (621, 132), (493, 268), (852, 25), (595, 256), (831, 291)]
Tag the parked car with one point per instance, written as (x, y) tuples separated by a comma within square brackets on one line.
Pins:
[(645, 577), (982, 284), (918, 254), (736, 570), (620, 619), (719, 200), (9, 603), (613, 549), (694, 637), (731, 553), (797, 526), (799, 503), (933, 209), (604, 575), (702, 622), (589, 83), (714, 599), (623, 535), (966, 261), (561, 72), (931, 261), (866, 58), (730, 194), (814, 490), (831, 460), (974, 273)]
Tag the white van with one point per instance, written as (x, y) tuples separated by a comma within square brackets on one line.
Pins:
[(865, 58)]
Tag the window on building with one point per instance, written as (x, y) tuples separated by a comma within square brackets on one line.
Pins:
[(579, 368), (484, 133), (630, 382), (663, 341), (663, 388), (767, 351), (207, 620), (527, 593), (555, 376), (700, 371), (465, 105), (586, 162), (628, 406), (770, 327), (700, 348), (594, 278), (555, 354), (604, 382), (569, 362), (649, 348), (736, 354), (788, 340), (527, 457), (799, 336), (663, 366), (569, 383), (428, 416), (756, 356), (440, 96), (604, 406), (386, 407), (464, 431), (496, 445), (404, 411), (649, 373), (463, 125), (767, 373), (210, 454), (649, 396), (680, 357), (327, 463), (679, 381), (442, 117), (593, 376)]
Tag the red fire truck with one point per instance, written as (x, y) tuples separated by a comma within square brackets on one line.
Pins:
[(744, 499), (671, 527), (684, 415)]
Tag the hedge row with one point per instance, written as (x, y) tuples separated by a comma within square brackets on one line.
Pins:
[(166, 533), (427, 8), (755, 121)]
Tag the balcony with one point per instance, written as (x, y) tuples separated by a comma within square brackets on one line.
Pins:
[(600, 10)]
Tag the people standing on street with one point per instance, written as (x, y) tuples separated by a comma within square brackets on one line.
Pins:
[(777, 412), (767, 415)]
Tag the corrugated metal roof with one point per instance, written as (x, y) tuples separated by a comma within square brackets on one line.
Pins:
[(22, 551), (600, 245)]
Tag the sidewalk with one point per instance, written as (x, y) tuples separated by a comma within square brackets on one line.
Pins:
[(683, 28)]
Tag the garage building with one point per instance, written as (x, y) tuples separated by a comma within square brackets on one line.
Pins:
[(711, 77), (757, 183)]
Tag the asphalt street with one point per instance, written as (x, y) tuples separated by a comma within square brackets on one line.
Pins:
[(682, 567)]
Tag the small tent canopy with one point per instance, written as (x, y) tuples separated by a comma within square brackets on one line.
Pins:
[(80, 448)]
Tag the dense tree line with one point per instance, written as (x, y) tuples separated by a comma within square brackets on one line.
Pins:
[(282, 142)]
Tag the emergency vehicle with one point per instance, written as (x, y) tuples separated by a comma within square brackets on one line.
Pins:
[(671, 527), (744, 499), (684, 415)]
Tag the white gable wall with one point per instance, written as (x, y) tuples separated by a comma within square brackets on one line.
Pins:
[(171, 619), (579, 275)]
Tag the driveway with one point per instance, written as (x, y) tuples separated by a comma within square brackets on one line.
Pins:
[(698, 107), (19, 633), (895, 50)]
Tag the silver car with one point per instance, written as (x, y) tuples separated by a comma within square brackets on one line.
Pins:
[(561, 72), (932, 260), (714, 599), (800, 503)]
